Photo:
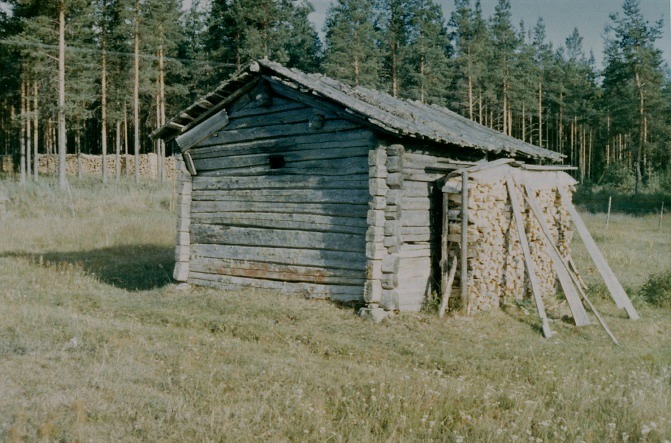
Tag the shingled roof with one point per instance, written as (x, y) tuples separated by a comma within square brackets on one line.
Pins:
[(404, 118)]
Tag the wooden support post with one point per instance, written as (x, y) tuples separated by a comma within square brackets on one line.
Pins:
[(447, 289), (661, 215), (444, 296), (610, 199), (528, 260), (614, 287), (464, 240), (560, 266)]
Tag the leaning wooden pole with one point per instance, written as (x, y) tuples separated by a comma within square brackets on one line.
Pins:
[(560, 267), (614, 287), (528, 259), (443, 256)]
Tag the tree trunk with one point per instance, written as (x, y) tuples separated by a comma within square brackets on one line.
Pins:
[(356, 60), (540, 113), (103, 99), (22, 136), (608, 140), (641, 136), (78, 147), (29, 132), (571, 160), (480, 106), (125, 137), (470, 86), (505, 108), (422, 72), (561, 122), (394, 60), (161, 89), (590, 157), (117, 162), (36, 162), (524, 124), (581, 154), (266, 52), (510, 119), (136, 92), (62, 136)]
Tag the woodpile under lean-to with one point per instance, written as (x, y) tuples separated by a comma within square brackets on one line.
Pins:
[(496, 266)]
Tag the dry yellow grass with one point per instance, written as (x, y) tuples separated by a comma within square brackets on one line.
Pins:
[(86, 356)]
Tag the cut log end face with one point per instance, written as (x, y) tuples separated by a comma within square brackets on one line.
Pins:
[(496, 264)]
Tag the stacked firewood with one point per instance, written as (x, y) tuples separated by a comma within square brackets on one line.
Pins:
[(92, 165), (6, 164), (496, 265)]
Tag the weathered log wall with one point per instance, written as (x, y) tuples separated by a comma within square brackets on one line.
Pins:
[(183, 234), (404, 233), (280, 200)]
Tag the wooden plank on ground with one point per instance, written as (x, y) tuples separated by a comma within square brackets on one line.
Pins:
[(528, 260), (577, 309), (614, 287)]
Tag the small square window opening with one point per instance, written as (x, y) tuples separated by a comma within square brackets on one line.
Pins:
[(276, 161)]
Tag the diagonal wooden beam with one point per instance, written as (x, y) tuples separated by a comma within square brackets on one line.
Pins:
[(614, 287), (528, 260), (561, 268)]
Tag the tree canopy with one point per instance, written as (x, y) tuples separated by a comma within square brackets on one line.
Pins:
[(614, 123)]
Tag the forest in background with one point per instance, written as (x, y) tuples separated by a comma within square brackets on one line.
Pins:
[(98, 76)]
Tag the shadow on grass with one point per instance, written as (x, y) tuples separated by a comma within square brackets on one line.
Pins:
[(130, 267)]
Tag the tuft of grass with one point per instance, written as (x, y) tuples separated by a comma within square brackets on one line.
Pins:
[(84, 357), (657, 290)]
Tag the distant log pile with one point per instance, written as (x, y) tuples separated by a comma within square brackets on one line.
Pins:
[(92, 165), (496, 265), (6, 164)]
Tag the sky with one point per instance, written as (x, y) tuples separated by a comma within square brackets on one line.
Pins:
[(560, 17)]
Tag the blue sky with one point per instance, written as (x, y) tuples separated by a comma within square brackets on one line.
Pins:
[(560, 17)]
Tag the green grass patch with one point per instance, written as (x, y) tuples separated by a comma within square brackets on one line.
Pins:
[(88, 353), (657, 290)]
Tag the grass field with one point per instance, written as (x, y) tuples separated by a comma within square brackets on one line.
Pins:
[(96, 344)]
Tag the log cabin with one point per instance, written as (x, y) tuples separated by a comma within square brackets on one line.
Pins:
[(300, 183)]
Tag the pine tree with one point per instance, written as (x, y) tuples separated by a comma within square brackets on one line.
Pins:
[(542, 60), (426, 71), (468, 35), (351, 53), (505, 42), (278, 30), (633, 78), (394, 23)]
